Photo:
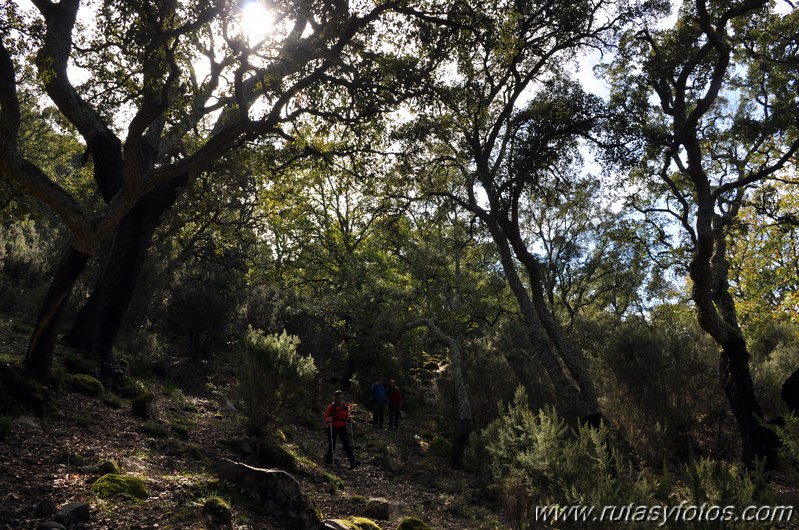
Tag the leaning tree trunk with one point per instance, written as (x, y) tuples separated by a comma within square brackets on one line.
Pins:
[(573, 389), (465, 424), (718, 317), (99, 321), (39, 357)]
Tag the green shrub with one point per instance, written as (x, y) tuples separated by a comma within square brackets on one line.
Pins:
[(5, 426), (535, 459), (412, 523), (716, 483), (721, 484), (789, 451), (658, 382), (112, 485), (271, 374), (441, 446)]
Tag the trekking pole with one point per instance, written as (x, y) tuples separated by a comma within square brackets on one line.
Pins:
[(352, 434), (332, 443)]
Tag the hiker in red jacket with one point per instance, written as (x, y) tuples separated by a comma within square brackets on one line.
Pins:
[(337, 417), (394, 404)]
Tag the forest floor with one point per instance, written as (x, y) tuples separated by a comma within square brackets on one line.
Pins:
[(54, 458)]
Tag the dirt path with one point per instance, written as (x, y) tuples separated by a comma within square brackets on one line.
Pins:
[(56, 459)]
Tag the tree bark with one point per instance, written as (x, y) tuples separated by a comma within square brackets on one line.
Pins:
[(464, 428), (39, 356), (575, 393), (717, 315), (758, 442), (99, 321)]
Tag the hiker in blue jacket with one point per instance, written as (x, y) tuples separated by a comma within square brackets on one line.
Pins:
[(379, 400)]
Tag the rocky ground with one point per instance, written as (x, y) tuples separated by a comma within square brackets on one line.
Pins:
[(50, 461)]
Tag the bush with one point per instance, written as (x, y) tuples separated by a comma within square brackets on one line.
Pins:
[(721, 484), (535, 459), (789, 451), (271, 374), (441, 446), (658, 384), (716, 483)]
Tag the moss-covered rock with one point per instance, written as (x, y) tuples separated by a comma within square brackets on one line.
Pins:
[(412, 523), (363, 523), (156, 430), (111, 485), (441, 446), (145, 407), (109, 467), (85, 384), (217, 510)]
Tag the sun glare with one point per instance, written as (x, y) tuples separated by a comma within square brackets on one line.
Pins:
[(257, 21)]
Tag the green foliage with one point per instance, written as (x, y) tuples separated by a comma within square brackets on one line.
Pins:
[(271, 375), (112, 485), (26, 249), (441, 446), (775, 357), (715, 483), (719, 483), (85, 384), (5, 426), (658, 383), (535, 459), (789, 436), (413, 523)]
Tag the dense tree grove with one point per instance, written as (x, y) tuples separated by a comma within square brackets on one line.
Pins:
[(430, 189)]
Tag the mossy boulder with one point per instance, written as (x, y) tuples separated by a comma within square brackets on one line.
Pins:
[(85, 384), (441, 446), (363, 523), (156, 430), (145, 407), (217, 511), (109, 467), (112, 485), (353, 523), (412, 523)]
